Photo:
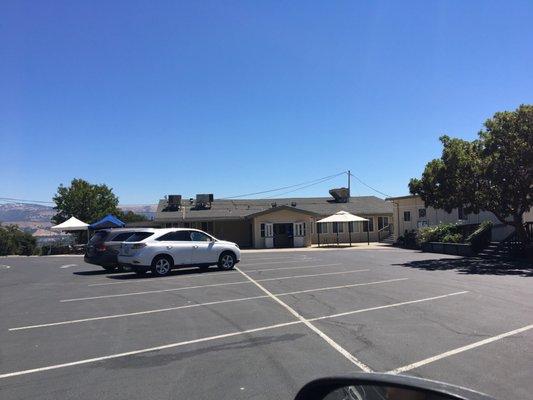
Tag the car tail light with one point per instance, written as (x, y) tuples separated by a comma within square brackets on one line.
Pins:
[(101, 247), (138, 246)]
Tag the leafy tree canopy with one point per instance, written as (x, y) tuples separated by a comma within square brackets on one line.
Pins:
[(87, 202), (493, 173), (130, 216)]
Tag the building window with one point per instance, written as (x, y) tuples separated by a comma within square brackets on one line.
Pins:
[(382, 222), (368, 226), (421, 213), (322, 227), (353, 227), (263, 230), (338, 227), (407, 216), (461, 213)]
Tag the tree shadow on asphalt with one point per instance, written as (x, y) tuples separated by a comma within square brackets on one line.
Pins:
[(156, 359), (474, 265)]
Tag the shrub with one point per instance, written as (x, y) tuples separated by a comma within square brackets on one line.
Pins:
[(452, 238), (437, 233), (15, 241), (409, 240)]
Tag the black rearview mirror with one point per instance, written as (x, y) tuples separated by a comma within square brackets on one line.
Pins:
[(384, 387)]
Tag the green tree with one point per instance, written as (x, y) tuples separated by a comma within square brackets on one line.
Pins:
[(493, 173), (15, 241), (130, 216), (85, 201)]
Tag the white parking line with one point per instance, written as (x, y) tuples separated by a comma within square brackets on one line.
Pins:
[(204, 339), (460, 350), (69, 265), (277, 262), (211, 285), (147, 350), (164, 279), (282, 268), (75, 321), (294, 313), (387, 306), (3, 266), (276, 258)]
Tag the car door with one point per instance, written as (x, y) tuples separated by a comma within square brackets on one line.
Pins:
[(203, 248), (178, 244)]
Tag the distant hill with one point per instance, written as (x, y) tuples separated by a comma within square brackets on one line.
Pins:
[(36, 215)]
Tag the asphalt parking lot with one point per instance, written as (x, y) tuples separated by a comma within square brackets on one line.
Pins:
[(72, 330)]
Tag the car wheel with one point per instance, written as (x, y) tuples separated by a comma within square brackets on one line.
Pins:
[(226, 261), (161, 265)]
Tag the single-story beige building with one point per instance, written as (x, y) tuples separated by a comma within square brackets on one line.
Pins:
[(268, 223)]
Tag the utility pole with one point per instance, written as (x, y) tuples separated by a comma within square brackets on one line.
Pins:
[(349, 191)]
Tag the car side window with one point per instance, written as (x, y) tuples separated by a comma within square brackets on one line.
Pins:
[(199, 237), (121, 237), (178, 236)]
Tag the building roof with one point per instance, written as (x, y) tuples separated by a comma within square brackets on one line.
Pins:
[(241, 208)]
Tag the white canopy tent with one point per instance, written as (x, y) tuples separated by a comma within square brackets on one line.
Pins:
[(72, 224), (342, 217)]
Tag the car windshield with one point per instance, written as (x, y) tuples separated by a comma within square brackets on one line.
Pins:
[(366, 167)]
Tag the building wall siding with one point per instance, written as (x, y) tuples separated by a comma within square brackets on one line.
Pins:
[(437, 216)]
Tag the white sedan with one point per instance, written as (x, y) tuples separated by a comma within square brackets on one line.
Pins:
[(161, 250)]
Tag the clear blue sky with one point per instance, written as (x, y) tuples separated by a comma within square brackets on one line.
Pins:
[(233, 97)]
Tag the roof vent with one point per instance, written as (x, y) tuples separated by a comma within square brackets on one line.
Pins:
[(204, 200), (273, 205), (173, 203), (293, 203), (340, 194)]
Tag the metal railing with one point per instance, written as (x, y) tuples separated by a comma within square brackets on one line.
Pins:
[(385, 232)]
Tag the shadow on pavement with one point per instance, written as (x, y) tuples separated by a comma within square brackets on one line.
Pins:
[(156, 359), (92, 272), (177, 272), (473, 265)]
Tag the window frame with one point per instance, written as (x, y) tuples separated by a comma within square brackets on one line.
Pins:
[(408, 215)]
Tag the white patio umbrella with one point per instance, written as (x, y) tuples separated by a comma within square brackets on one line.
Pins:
[(72, 224), (343, 217)]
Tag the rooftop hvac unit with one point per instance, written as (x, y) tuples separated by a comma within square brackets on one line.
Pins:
[(204, 200), (340, 195), (293, 204), (173, 203)]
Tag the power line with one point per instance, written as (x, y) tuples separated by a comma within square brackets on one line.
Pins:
[(303, 187), (370, 187), (285, 187)]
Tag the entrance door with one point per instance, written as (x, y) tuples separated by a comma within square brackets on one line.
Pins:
[(283, 235)]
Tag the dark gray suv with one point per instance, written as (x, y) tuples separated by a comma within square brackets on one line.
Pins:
[(105, 244)]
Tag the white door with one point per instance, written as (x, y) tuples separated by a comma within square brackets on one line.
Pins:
[(203, 248), (269, 235), (178, 245), (299, 234)]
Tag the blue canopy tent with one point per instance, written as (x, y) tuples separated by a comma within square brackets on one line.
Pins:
[(109, 221)]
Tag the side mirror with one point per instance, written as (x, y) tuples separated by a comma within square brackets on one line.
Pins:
[(384, 387)]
